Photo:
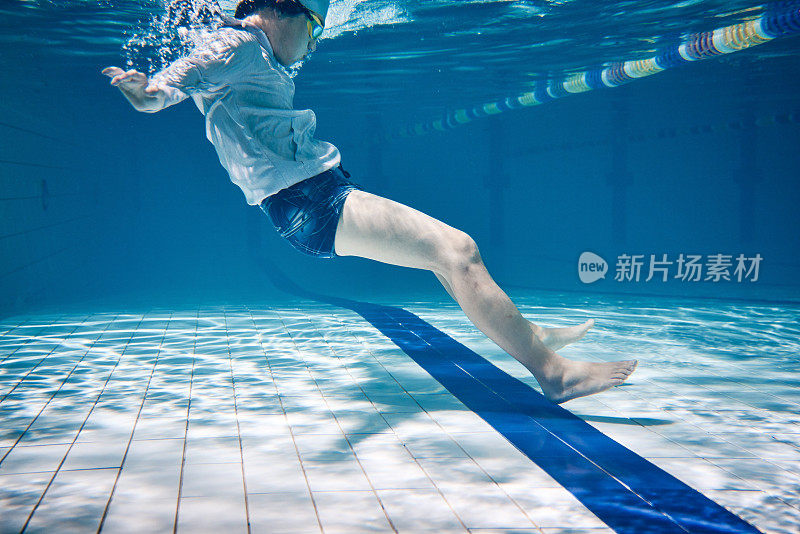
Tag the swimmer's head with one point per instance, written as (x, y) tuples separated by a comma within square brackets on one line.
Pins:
[(292, 26)]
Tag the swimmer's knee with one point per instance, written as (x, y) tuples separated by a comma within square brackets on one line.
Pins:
[(459, 252)]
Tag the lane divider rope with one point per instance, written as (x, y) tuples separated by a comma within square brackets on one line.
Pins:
[(780, 19)]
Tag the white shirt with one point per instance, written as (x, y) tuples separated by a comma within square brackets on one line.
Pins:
[(246, 97)]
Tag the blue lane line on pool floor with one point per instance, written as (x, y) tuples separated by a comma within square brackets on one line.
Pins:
[(628, 493)]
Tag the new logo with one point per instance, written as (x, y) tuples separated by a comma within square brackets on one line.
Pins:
[(591, 267)]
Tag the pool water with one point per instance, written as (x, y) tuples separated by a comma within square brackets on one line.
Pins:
[(158, 373)]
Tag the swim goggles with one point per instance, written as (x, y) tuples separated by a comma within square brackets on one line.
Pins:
[(315, 24)]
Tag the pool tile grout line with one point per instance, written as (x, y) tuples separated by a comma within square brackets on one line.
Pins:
[(350, 445), (32, 369), (416, 460), (286, 418), (69, 448), (186, 428), (46, 404), (238, 426), (135, 423), (28, 340), (347, 437)]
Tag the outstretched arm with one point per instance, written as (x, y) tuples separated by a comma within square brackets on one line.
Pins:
[(143, 95), (218, 61)]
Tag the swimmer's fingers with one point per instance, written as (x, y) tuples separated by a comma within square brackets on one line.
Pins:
[(119, 76), (112, 71), (131, 77)]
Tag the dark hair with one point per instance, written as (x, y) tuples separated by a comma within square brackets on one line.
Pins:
[(246, 8)]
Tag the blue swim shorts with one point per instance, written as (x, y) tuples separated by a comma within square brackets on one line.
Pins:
[(307, 213)]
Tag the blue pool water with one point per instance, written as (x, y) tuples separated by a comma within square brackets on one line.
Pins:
[(102, 202), (167, 362)]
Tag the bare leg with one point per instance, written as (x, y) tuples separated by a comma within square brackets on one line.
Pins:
[(383, 230), (552, 338)]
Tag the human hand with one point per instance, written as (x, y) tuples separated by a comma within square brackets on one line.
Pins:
[(135, 86)]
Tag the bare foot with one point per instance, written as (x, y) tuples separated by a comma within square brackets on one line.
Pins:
[(571, 379), (556, 338)]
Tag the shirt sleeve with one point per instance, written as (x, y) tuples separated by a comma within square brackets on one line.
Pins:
[(212, 64)]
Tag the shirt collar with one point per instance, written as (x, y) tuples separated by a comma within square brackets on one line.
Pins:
[(249, 27)]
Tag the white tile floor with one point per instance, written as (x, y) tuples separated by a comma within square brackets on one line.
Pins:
[(304, 418)]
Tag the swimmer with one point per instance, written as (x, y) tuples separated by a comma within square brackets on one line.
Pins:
[(238, 79)]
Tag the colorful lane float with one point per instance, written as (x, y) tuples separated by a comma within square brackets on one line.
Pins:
[(779, 20)]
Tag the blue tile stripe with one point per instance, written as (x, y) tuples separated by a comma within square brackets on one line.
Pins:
[(628, 493)]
